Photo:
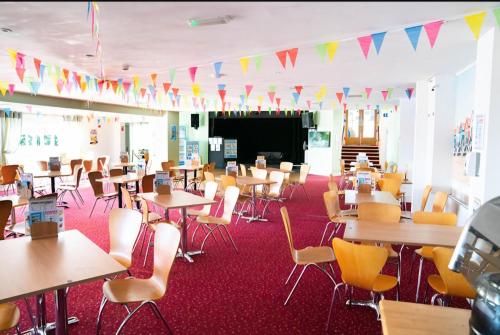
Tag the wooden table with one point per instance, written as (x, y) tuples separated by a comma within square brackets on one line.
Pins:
[(120, 180), (406, 318), (182, 200), (251, 181), (402, 233), (352, 197), (187, 168), (125, 166), (52, 175), (35, 267)]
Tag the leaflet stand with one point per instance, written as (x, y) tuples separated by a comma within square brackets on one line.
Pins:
[(44, 229)]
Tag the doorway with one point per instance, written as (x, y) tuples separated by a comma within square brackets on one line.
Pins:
[(361, 127)]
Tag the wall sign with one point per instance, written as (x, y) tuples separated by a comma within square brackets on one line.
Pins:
[(93, 136)]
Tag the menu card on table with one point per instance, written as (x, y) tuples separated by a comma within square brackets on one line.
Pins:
[(54, 164), (163, 182), (123, 157), (232, 169), (260, 163), (364, 178), (44, 209), (24, 185)]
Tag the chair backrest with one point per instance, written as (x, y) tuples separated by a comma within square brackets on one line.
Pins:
[(259, 174), (379, 212), (288, 166), (278, 177), (360, 264), (331, 200), (210, 191), (342, 166), (243, 169), (96, 185), (100, 163), (148, 183), (455, 283), (394, 175), (127, 199), (304, 171), (124, 226), (73, 163), (165, 166), (87, 165), (209, 176), (288, 230), (171, 163), (115, 173), (43, 165), (445, 219), (211, 166), (9, 173), (425, 197), (391, 185), (74, 173), (226, 181), (332, 185), (364, 188), (203, 170), (79, 171), (440, 199), (166, 243), (5, 211), (231, 194)]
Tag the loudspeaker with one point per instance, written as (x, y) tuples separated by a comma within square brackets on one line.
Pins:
[(307, 120), (195, 120)]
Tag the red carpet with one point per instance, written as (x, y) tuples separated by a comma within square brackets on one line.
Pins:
[(227, 293)]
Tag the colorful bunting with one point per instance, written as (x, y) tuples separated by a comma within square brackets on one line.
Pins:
[(20, 73), (409, 92), (364, 43), (339, 96), (271, 96), (258, 62), (282, 57), (175, 91), (432, 31), (166, 87), (3, 88), (298, 89), (296, 97), (331, 49), (321, 49), (248, 89), (368, 91), (171, 74), (389, 93), (475, 22), (222, 94), (384, 94), (244, 64), (196, 90), (37, 66), (221, 86), (217, 68), (308, 104), (292, 54), (11, 89), (346, 91), (192, 73), (153, 78), (496, 12), (378, 39), (414, 34)]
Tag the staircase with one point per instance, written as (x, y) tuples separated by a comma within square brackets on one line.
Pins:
[(349, 153)]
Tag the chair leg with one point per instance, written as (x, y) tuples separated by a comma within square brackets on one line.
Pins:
[(331, 305), (324, 232), (231, 238), (80, 196), (147, 248), (290, 275), (419, 277), (296, 283), (74, 199), (129, 316), (210, 232), (101, 309), (92, 211), (158, 313), (334, 231)]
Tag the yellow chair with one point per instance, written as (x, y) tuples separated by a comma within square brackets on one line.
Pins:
[(273, 193), (99, 191), (231, 195), (145, 291), (8, 173), (124, 227), (9, 317), (335, 215), (287, 166), (440, 199), (384, 213), (447, 283), (304, 172), (421, 217), (5, 212), (243, 170), (423, 203), (209, 176), (360, 266), (315, 256)]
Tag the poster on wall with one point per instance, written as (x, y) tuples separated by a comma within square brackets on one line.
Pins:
[(93, 136), (478, 132), (173, 132), (462, 139), (230, 149)]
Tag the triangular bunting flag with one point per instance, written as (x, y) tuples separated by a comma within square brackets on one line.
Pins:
[(100, 85), (292, 53), (496, 12), (65, 74), (413, 34), (331, 49), (368, 91), (346, 91), (432, 30), (242, 99), (217, 68), (59, 85), (244, 64), (37, 66), (409, 92), (384, 95), (143, 92), (258, 62), (475, 23), (248, 89), (11, 89), (171, 74), (364, 43), (271, 96), (222, 94), (298, 89), (221, 86), (378, 39), (196, 90), (192, 73), (296, 97), (20, 73), (272, 88), (282, 57), (3, 88), (20, 60), (389, 93), (13, 56), (166, 87), (339, 96), (175, 91), (114, 85), (318, 96), (153, 78), (321, 49), (308, 104), (126, 87), (260, 99), (278, 101), (42, 72)]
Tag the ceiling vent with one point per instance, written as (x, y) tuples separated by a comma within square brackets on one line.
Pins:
[(354, 96), (199, 22)]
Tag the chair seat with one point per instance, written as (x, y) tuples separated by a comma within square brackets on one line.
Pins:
[(384, 283), (314, 255), (9, 316), (123, 259), (131, 290), (67, 187), (19, 228), (425, 252), (153, 225), (108, 195), (349, 212), (437, 284), (212, 220), (152, 216), (195, 212)]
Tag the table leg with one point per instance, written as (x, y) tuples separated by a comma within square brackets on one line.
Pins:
[(255, 216), (137, 203), (185, 180), (61, 312), (183, 252), (13, 216), (195, 179), (53, 184), (120, 205), (41, 313), (125, 170)]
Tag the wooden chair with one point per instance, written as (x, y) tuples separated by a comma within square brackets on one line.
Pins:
[(364, 188), (9, 317), (72, 186), (145, 291), (99, 191), (75, 162), (440, 199), (5, 212), (115, 173), (43, 165), (304, 172), (273, 193), (423, 203), (309, 256), (335, 215), (210, 192), (8, 173)]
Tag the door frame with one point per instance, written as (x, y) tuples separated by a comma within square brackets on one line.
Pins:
[(360, 140)]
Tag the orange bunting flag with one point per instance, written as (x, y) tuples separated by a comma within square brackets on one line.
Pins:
[(340, 96), (153, 78), (175, 91), (166, 87), (282, 57), (114, 85), (292, 53), (298, 89), (37, 66)]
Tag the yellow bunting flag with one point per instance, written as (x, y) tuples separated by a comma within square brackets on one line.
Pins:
[(475, 23), (3, 88), (136, 82), (260, 98), (322, 91), (244, 64), (13, 56), (196, 90), (318, 96), (331, 48)]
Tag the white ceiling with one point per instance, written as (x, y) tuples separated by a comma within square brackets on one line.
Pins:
[(154, 37)]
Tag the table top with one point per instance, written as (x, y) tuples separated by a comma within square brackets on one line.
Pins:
[(121, 179), (17, 201), (129, 164), (177, 199), (407, 318), (247, 180), (187, 167), (34, 267), (354, 163), (402, 233), (352, 197), (51, 174)]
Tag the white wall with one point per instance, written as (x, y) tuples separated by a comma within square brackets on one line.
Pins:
[(321, 159), (406, 112), (108, 138)]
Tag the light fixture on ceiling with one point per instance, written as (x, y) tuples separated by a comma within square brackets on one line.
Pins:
[(354, 96), (6, 30), (125, 67), (89, 55), (212, 75), (198, 22)]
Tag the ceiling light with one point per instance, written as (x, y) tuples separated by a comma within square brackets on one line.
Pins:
[(6, 30), (197, 22), (89, 55), (125, 67)]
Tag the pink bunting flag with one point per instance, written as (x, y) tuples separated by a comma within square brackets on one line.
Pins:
[(339, 96), (20, 73), (60, 85), (11, 89), (384, 95), (126, 87), (282, 57), (248, 89), (37, 66), (292, 53), (298, 89), (192, 72), (20, 60), (309, 104), (364, 43), (278, 101), (368, 91), (432, 30), (271, 96), (395, 108)]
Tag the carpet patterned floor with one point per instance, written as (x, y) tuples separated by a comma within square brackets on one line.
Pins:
[(227, 293)]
